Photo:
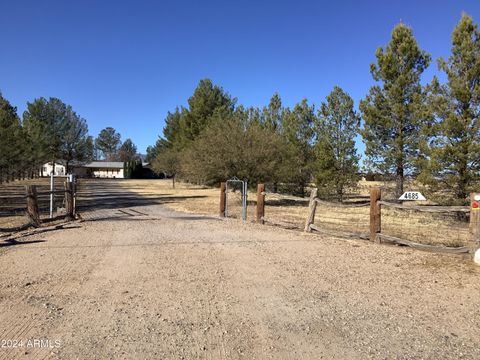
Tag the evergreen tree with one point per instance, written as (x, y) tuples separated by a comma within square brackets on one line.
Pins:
[(174, 137), (153, 151), (133, 169), (455, 149), (108, 142), (76, 145), (393, 111), (127, 151), (175, 131), (254, 115), (56, 132), (272, 114), (297, 126), (45, 123), (336, 157), (184, 126), (206, 100), (11, 141)]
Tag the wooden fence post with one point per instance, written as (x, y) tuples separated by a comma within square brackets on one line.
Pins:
[(261, 203), (32, 205), (223, 199), (69, 200), (375, 214), (311, 210)]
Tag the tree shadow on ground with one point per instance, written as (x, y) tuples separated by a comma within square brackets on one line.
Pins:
[(194, 218), (91, 195), (8, 243), (116, 201)]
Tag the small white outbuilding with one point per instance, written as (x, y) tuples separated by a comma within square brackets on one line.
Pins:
[(48, 169)]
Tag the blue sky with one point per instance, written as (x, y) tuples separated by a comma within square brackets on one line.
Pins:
[(126, 63)]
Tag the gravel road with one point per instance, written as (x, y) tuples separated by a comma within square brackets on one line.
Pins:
[(148, 283)]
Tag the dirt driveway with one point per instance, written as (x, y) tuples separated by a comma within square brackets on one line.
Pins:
[(143, 282)]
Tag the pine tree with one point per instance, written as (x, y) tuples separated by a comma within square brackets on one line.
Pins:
[(108, 142), (297, 126), (44, 121), (272, 114), (11, 140), (336, 161), (206, 100), (127, 151), (55, 132), (455, 148), (393, 110), (76, 145), (175, 131)]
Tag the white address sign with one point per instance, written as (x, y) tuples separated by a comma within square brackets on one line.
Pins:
[(412, 195)]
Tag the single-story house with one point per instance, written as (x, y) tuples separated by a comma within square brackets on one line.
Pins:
[(100, 169), (95, 169)]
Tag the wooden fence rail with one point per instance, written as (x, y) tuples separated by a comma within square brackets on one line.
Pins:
[(375, 223), (342, 205), (376, 235), (430, 209)]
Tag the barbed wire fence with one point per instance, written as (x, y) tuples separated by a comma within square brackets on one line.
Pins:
[(427, 225), (342, 218), (431, 228), (281, 207), (451, 229)]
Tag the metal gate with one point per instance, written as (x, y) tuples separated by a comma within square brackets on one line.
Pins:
[(234, 200), (69, 178)]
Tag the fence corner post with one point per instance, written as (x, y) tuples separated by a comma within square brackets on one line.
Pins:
[(32, 205), (375, 214), (69, 200), (222, 199), (311, 210), (261, 204), (474, 227)]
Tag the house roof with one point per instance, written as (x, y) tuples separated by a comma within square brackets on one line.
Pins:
[(104, 164)]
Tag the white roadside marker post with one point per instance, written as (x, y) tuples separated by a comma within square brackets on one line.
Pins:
[(475, 225), (51, 195)]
